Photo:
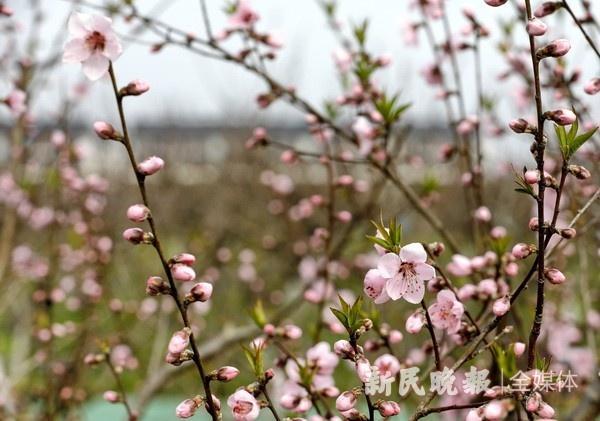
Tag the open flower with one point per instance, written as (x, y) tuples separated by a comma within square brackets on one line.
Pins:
[(446, 312), (406, 272), (244, 406), (93, 43)]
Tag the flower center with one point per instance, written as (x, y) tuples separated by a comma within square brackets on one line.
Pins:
[(243, 407), (407, 270), (95, 41)]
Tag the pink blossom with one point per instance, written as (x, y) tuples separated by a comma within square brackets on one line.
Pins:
[(93, 43), (179, 341), (138, 213), (135, 88), (521, 251), (415, 322), (446, 312), (111, 396), (244, 16), (389, 409), (556, 48), (554, 276), (483, 214), (346, 401), (343, 60), (388, 365), (501, 306), (459, 266), (562, 117), (134, 235), (406, 273), (344, 349), (547, 8), (16, 102), (183, 272), (519, 348), (244, 406), (202, 292), (532, 176), (536, 27), (151, 165), (432, 74), (363, 369)]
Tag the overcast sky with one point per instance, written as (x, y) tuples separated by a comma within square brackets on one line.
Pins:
[(185, 86)]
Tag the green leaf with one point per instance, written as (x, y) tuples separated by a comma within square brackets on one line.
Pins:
[(340, 316), (580, 140)]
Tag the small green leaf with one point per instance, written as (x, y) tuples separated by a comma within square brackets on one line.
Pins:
[(340, 316), (580, 140)]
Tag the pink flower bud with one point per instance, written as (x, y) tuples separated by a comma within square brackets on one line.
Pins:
[(556, 48), (187, 408), (292, 332), (562, 117), (533, 402), (593, 86), (501, 306), (134, 235), (494, 410), (519, 348), (187, 259), (536, 27), (495, 3), (547, 8), (344, 349), (415, 322), (580, 172), (474, 415), (135, 88), (183, 272), (389, 408), (534, 224), (106, 131), (520, 125), (344, 216), (532, 176), (151, 165), (363, 369), (511, 269), (483, 214), (395, 336), (521, 251), (179, 341), (289, 157), (138, 213), (111, 396), (202, 292), (346, 401), (227, 373), (554, 276)]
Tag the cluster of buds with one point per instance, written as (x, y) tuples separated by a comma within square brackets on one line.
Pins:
[(177, 350)]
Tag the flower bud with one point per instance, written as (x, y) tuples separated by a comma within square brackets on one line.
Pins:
[(556, 48), (202, 292), (436, 249), (183, 273), (151, 165), (227, 373), (483, 214), (534, 224), (568, 233), (519, 348), (522, 250), (106, 131), (179, 341), (188, 407), (547, 8), (155, 285), (134, 235), (545, 411), (520, 125), (562, 117), (593, 86), (531, 176), (344, 349), (388, 409), (395, 336), (135, 88), (501, 306), (415, 322), (346, 401), (581, 173), (536, 27), (111, 396), (138, 213), (94, 359), (554, 276), (363, 369), (187, 259), (292, 332)]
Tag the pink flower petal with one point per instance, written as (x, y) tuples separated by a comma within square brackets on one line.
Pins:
[(414, 290), (389, 265), (413, 252), (395, 287), (113, 48), (77, 25), (95, 66), (76, 51), (424, 271)]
